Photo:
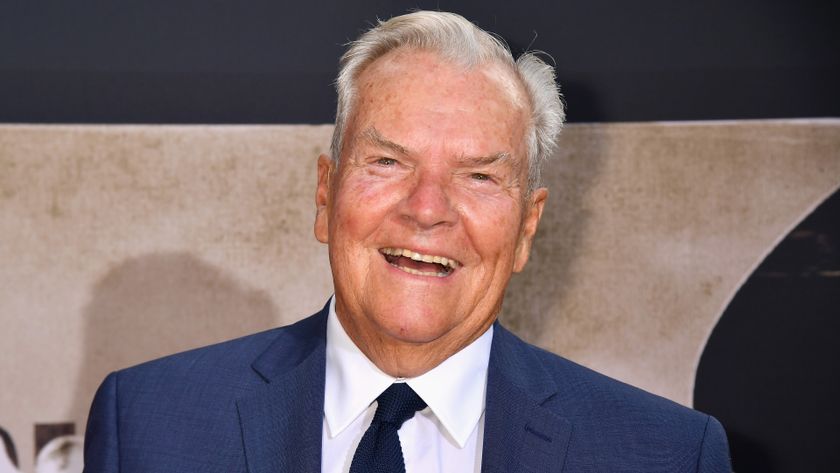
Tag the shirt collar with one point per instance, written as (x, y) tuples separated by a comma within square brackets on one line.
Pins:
[(454, 390)]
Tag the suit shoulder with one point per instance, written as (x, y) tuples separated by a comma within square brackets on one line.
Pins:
[(225, 358), (598, 386), (165, 412), (588, 396), (638, 426), (227, 353)]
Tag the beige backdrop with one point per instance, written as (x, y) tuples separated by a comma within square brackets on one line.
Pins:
[(123, 243)]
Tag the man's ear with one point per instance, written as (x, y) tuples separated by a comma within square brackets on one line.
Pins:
[(322, 198), (533, 214)]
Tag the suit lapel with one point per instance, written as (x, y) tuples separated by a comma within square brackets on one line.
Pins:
[(519, 433), (282, 421)]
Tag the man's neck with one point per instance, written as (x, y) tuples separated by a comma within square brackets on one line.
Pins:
[(402, 359)]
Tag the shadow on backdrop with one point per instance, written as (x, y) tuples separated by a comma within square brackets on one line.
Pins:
[(776, 389), (158, 304), (8, 453)]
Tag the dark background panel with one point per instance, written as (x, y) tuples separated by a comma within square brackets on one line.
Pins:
[(274, 61), (771, 369)]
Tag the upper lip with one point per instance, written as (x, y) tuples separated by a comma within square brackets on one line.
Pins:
[(425, 257)]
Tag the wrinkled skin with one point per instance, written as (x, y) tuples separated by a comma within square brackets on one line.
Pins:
[(433, 161)]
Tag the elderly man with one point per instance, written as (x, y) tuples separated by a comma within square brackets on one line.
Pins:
[(428, 204)]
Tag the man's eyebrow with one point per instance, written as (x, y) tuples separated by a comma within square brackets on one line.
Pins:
[(373, 135), (485, 160)]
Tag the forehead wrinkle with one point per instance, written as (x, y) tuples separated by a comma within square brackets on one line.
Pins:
[(372, 135)]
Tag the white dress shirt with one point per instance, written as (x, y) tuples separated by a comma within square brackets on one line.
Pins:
[(446, 436)]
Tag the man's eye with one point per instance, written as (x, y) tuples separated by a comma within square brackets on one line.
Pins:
[(480, 177), (386, 161)]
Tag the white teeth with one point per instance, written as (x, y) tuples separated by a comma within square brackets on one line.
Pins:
[(420, 257), (421, 273)]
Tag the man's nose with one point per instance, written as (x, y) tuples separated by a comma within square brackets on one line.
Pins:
[(429, 202)]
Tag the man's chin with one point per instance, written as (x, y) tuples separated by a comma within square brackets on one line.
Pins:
[(414, 336), (415, 330)]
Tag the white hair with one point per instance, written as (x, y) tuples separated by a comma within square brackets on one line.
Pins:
[(455, 39)]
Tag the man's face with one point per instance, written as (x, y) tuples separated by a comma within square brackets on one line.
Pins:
[(427, 214)]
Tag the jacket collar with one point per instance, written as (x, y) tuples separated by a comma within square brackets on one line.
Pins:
[(282, 420), (520, 434)]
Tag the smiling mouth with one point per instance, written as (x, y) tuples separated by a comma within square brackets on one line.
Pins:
[(419, 264)]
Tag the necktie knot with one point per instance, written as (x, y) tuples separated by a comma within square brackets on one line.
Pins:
[(380, 451), (397, 404)]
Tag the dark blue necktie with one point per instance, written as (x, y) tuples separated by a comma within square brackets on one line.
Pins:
[(380, 450)]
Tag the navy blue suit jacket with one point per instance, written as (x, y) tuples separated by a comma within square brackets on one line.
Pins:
[(256, 405)]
